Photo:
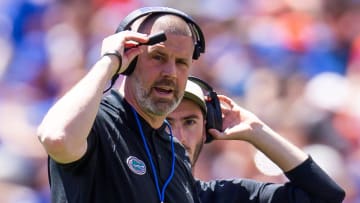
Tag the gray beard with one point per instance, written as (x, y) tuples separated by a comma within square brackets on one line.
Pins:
[(157, 107)]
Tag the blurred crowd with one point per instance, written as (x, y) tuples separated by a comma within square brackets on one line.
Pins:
[(295, 64)]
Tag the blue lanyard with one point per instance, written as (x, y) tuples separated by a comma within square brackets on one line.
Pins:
[(162, 193)]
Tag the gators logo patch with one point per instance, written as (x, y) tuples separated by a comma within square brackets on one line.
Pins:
[(136, 165)]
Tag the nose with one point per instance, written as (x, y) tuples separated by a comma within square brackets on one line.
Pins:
[(169, 69), (178, 133)]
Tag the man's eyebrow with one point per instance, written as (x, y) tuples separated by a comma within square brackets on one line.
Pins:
[(159, 50), (192, 116)]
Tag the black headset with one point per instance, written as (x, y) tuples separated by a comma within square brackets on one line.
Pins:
[(126, 23), (213, 114)]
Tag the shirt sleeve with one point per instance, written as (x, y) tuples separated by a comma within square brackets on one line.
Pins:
[(87, 157), (315, 182), (300, 189)]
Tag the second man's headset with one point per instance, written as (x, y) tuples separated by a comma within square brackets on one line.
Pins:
[(213, 108), (126, 23)]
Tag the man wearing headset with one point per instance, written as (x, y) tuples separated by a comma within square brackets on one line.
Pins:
[(114, 148), (308, 182)]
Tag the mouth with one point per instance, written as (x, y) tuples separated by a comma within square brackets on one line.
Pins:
[(165, 89), (162, 90)]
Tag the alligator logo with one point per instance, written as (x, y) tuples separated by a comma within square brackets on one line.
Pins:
[(136, 165)]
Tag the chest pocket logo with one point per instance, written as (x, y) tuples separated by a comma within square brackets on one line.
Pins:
[(136, 165)]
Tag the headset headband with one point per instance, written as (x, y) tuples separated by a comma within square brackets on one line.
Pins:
[(199, 46), (201, 83), (136, 14)]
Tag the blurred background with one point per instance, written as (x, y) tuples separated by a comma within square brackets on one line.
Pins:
[(296, 64)]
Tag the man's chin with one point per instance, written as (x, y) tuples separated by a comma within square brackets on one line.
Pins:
[(162, 109), (166, 107)]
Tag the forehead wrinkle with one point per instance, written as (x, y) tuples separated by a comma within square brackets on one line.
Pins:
[(163, 48), (166, 22)]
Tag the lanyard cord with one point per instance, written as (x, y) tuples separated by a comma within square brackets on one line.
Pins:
[(162, 193)]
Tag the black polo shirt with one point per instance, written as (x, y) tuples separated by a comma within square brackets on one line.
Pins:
[(308, 183), (116, 168)]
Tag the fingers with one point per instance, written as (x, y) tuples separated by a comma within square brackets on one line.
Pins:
[(122, 40), (132, 39), (226, 135), (226, 102), (125, 43)]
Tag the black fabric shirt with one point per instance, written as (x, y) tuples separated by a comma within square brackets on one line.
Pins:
[(116, 168), (308, 183), (104, 175)]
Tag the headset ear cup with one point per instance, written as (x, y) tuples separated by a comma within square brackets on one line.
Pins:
[(197, 52), (210, 122), (213, 116), (130, 69)]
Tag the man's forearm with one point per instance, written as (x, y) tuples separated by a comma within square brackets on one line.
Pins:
[(283, 153), (64, 130)]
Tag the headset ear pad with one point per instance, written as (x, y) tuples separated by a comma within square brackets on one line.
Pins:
[(131, 67), (214, 115)]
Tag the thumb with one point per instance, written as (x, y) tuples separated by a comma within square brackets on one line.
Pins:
[(217, 135)]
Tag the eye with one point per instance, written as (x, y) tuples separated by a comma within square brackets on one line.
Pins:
[(158, 57), (182, 62), (190, 122)]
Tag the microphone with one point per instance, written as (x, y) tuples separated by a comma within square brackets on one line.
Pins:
[(155, 38)]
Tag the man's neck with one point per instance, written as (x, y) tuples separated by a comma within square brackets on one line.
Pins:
[(153, 120)]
